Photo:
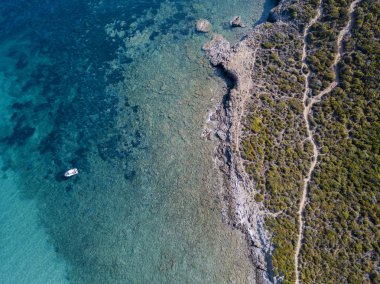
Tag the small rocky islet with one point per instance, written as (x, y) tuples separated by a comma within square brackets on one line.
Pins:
[(204, 26)]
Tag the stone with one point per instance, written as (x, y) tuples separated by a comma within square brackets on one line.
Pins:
[(221, 135), (203, 26), (237, 22), (217, 50)]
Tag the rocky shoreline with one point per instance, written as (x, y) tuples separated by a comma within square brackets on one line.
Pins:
[(289, 130), (241, 210)]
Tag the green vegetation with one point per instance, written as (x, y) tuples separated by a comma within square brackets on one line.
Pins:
[(342, 242), (322, 40), (277, 165), (341, 238), (259, 197), (275, 153), (300, 12)]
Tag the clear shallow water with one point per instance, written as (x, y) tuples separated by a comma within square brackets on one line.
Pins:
[(120, 91)]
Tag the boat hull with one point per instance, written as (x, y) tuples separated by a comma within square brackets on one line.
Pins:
[(71, 172)]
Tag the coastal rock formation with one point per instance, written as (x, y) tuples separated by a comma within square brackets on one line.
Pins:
[(282, 12), (260, 74), (203, 26), (237, 22), (292, 95), (217, 49)]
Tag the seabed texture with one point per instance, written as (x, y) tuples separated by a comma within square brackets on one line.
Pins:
[(120, 91)]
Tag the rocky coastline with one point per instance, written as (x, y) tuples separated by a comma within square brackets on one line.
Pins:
[(296, 85), (227, 124)]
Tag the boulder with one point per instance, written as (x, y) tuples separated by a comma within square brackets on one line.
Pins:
[(203, 26), (221, 135), (237, 22)]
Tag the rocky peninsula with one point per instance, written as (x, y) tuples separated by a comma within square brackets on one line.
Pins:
[(271, 149)]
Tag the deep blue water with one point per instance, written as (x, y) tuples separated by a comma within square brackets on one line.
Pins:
[(119, 90)]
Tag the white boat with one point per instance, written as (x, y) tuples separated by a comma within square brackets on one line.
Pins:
[(71, 172)]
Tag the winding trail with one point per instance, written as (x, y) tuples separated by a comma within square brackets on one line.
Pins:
[(308, 104)]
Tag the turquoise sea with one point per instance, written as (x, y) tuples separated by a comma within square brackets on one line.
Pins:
[(120, 90)]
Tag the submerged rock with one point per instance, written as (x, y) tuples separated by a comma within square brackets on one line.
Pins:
[(237, 22), (203, 26)]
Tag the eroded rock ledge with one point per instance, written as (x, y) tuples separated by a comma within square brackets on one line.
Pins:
[(302, 104), (248, 64)]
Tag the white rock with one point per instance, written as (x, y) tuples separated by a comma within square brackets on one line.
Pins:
[(203, 26)]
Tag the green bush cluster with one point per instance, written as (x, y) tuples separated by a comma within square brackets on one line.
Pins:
[(277, 164), (272, 148), (322, 42), (342, 236), (301, 12)]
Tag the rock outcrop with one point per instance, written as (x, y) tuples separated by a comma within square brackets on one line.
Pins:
[(217, 49), (237, 22), (244, 65)]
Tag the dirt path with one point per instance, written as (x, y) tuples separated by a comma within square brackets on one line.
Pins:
[(306, 112), (307, 109)]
